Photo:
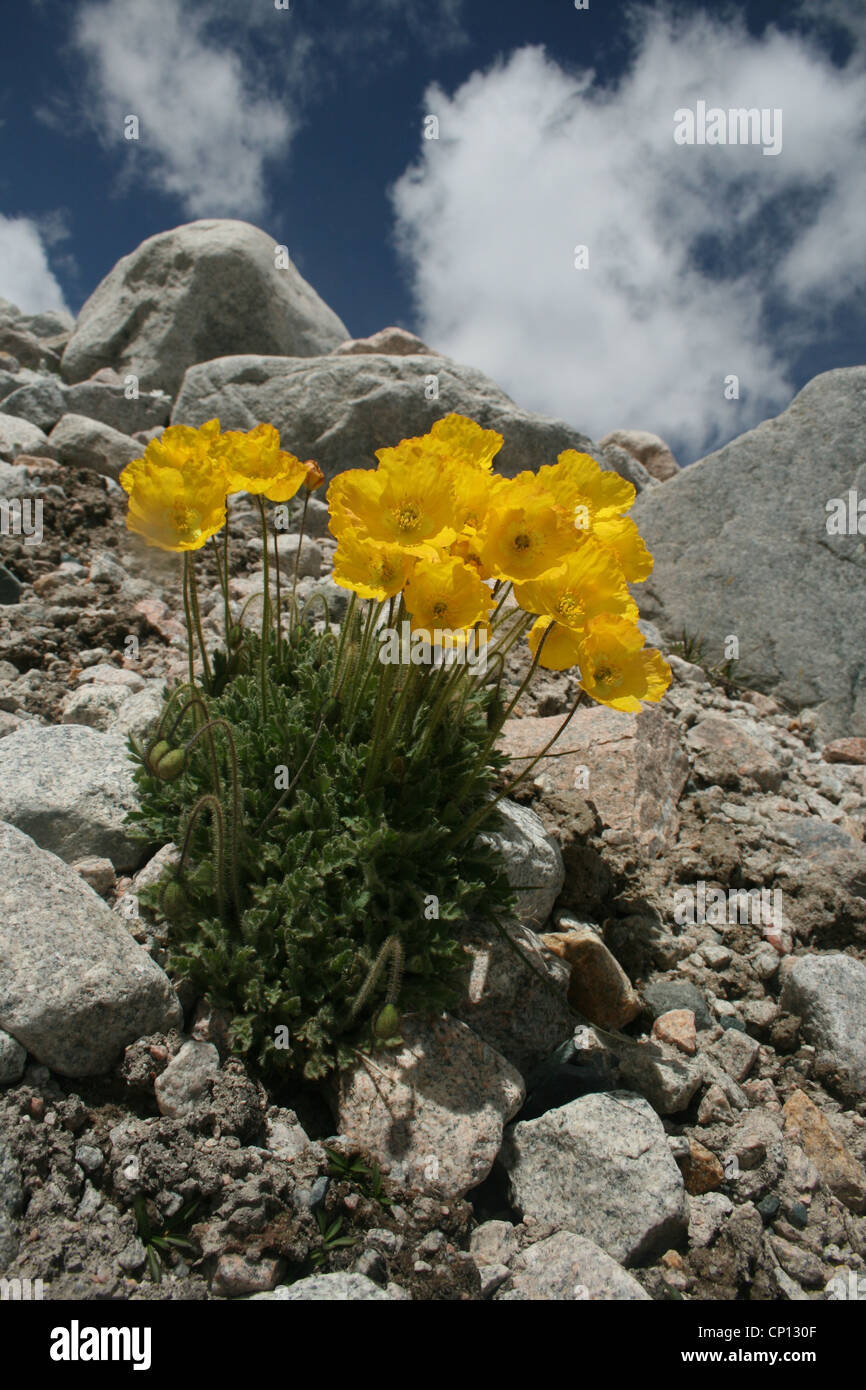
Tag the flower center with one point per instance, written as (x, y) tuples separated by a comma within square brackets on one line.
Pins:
[(407, 517), (569, 608), (608, 675), (522, 541), (440, 609), (187, 522)]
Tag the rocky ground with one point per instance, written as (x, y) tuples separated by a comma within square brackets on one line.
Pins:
[(650, 1091)]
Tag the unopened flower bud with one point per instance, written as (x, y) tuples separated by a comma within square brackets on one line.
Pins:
[(386, 1022), (157, 753), (171, 765)]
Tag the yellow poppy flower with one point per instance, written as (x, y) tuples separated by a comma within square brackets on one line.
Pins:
[(561, 645), (624, 541), (520, 542), (587, 583), (350, 495), (412, 508), (615, 671), (577, 478), (175, 508), (471, 499), (255, 463), (592, 501), (180, 446), (373, 570), (465, 443), (446, 594)]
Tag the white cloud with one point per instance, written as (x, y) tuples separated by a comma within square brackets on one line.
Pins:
[(26, 278), (206, 131), (703, 261)]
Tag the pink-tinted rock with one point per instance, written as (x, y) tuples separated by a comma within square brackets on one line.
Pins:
[(235, 1276), (630, 766), (677, 1026), (394, 342), (726, 754), (844, 750), (433, 1111), (648, 449)]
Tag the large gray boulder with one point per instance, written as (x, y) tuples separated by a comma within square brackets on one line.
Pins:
[(339, 410), (432, 1112), (601, 1167), (42, 402), (827, 993), (70, 787), (75, 988), (196, 292), (83, 443), (19, 436), (108, 402), (742, 548)]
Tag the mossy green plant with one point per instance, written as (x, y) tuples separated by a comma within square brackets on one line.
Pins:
[(319, 918)]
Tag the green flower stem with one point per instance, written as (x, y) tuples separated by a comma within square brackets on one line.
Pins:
[(196, 613), (300, 542), (500, 723), (279, 607), (392, 947), (364, 668), (385, 730), (212, 803), (505, 592), (224, 586), (226, 571), (190, 688), (291, 787), (487, 809), (236, 812), (195, 701), (266, 604), (188, 615), (344, 631)]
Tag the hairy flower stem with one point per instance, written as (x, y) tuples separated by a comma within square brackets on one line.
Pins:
[(201, 710), (500, 723), (393, 947), (489, 806), (364, 670), (188, 615), (505, 592), (344, 632), (386, 733), (300, 543), (290, 788), (279, 607), (266, 605), (196, 613), (210, 802), (236, 813), (224, 587)]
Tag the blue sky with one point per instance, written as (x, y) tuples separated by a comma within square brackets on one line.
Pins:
[(555, 130)]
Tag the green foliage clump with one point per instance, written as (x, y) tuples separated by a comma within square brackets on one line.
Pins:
[(310, 910)]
